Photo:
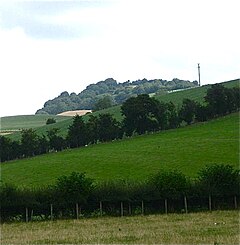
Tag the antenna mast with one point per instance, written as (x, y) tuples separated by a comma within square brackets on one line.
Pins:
[(199, 75)]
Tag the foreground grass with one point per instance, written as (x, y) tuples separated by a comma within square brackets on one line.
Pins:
[(221, 227)]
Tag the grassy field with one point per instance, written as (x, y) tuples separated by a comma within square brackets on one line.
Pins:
[(187, 149), (218, 227), (27, 121)]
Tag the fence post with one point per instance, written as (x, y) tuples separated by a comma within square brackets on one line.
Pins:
[(210, 203), (121, 209), (235, 202), (51, 211), (166, 206), (31, 215), (26, 212), (185, 204), (142, 208), (129, 208), (77, 210), (100, 206)]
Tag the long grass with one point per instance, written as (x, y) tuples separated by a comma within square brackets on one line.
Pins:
[(187, 149), (218, 227)]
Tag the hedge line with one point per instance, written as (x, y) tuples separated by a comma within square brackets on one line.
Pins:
[(165, 191)]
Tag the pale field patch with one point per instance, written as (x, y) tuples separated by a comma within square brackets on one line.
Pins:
[(220, 227)]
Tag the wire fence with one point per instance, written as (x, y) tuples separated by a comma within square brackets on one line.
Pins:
[(39, 212)]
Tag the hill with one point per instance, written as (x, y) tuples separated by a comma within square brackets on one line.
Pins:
[(187, 149), (116, 93), (17, 123), (176, 97)]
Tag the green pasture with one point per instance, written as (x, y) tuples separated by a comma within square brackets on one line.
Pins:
[(27, 121), (187, 149), (218, 227)]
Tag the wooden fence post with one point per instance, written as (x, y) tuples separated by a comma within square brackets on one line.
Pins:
[(166, 206), (100, 206), (235, 202), (185, 204), (31, 215), (129, 208), (26, 212), (77, 211), (142, 208), (210, 203), (51, 212), (121, 209)]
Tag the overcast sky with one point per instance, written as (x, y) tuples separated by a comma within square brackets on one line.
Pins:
[(47, 47)]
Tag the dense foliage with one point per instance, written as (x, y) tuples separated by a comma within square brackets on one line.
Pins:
[(219, 181), (107, 93)]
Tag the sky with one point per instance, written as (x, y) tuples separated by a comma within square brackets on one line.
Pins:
[(49, 46)]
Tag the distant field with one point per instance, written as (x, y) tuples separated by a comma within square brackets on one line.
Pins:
[(187, 149), (27, 121), (218, 227)]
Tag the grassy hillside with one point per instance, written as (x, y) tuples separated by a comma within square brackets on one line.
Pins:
[(187, 149), (196, 94), (27, 121)]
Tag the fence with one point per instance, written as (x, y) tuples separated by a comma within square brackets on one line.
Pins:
[(92, 208)]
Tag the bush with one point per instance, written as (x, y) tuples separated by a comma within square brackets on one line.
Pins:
[(219, 179)]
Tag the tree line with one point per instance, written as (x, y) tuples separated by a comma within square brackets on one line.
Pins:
[(116, 93), (214, 182), (141, 114)]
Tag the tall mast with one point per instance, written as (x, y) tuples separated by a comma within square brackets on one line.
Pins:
[(199, 83)]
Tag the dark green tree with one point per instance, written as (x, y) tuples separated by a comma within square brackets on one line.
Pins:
[(74, 188), (77, 132), (140, 114), (56, 142), (217, 100), (169, 184), (103, 103), (50, 121), (219, 179), (29, 142), (188, 111), (108, 127)]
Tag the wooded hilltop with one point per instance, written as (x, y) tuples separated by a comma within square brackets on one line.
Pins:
[(107, 93)]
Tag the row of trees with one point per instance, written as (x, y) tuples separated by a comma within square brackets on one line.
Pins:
[(141, 114), (213, 180)]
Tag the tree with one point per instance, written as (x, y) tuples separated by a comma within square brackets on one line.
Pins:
[(103, 103), (74, 188), (217, 100), (56, 142), (50, 121), (29, 142), (139, 114), (108, 127), (169, 184), (219, 179), (77, 132), (188, 111)]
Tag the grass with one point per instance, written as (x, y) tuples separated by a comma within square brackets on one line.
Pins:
[(27, 121), (187, 149), (193, 228)]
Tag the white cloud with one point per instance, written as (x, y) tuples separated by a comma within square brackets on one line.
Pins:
[(126, 40)]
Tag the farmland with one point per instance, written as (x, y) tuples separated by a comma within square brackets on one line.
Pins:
[(38, 121), (187, 149), (218, 227)]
